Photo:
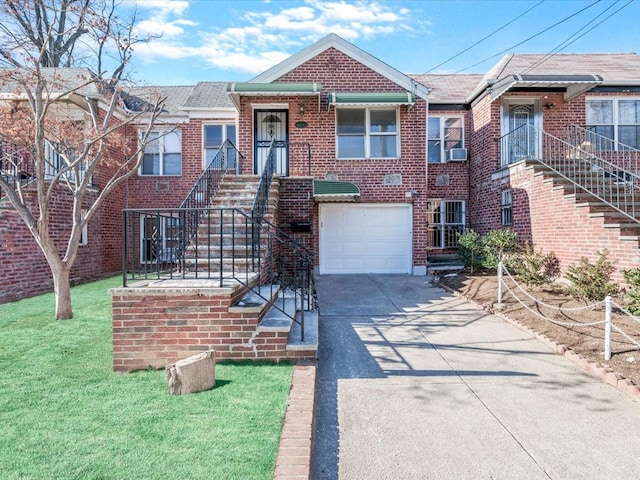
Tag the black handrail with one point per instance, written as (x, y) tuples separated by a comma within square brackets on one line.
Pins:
[(221, 248)]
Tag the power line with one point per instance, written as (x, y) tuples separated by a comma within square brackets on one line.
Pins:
[(484, 38), (566, 42), (532, 36), (523, 41)]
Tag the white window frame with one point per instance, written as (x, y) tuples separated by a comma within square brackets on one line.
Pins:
[(368, 134), (506, 207), (444, 229), (224, 136), (616, 116), (84, 235), (442, 136), (162, 135)]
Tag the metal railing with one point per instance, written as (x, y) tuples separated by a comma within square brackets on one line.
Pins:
[(625, 157), (17, 165), (161, 244), (259, 208), (580, 164)]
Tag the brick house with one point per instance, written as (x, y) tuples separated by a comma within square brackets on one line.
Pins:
[(374, 170)]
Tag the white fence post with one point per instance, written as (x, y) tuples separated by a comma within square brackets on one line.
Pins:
[(500, 284), (607, 328)]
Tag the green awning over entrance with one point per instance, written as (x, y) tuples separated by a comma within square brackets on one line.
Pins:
[(249, 88), (334, 191), (371, 98)]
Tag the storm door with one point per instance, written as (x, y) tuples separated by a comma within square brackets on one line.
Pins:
[(269, 125), (520, 139)]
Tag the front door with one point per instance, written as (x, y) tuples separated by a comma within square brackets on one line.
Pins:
[(520, 136), (270, 125)]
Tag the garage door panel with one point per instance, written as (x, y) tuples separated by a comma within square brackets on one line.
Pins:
[(365, 238)]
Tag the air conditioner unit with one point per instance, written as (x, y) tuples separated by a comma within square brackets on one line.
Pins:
[(457, 155)]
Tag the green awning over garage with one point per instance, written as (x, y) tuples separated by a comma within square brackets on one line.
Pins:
[(334, 191), (371, 98)]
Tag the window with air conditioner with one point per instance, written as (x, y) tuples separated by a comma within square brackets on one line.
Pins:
[(445, 139)]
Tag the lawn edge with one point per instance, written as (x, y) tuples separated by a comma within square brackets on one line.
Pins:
[(294, 454), (596, 369)]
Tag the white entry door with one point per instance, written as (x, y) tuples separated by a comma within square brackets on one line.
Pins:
[(365, 238)]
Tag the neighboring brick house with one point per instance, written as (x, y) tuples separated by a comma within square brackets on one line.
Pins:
[(379, 170)]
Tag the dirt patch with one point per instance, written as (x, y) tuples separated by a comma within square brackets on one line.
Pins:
[(587, 341)]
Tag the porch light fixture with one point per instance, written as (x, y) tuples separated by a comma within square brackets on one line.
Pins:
[(549, 105)]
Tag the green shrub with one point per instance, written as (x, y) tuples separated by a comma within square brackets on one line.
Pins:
[(497, 245), (591, 282), (535, 268), (632, 279), (470, 249)]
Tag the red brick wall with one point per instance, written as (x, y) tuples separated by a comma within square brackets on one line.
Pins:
[(156, 327), (25, 271), (540, 214), (339, 73)]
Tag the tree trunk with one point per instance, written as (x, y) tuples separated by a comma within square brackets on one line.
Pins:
[(62, 290)]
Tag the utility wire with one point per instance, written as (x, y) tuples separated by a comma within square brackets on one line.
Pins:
[(571, 40), (484, 38), (523, 41)]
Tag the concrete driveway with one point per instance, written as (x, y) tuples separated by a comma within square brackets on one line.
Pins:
[(414, 383)]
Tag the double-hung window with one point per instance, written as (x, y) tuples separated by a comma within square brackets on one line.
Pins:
[(614, 118), (162, 154), (214, 136), (367, 132), (446, 221), (506, 207), (444, 133)]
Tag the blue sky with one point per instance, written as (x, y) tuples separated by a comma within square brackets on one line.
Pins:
[(214, 40)]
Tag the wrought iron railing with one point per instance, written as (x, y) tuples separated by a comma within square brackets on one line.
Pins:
[(161, 244), (261, 201), (582, 165), (17, 165), (625, 157)]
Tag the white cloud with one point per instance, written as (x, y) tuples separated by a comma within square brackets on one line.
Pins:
[(260, 39)]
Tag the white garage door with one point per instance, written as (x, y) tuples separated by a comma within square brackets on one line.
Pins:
[(365, 238)]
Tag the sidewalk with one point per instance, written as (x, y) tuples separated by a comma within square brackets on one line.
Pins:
[(414, 383)]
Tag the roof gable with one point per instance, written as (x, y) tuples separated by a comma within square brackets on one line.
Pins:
[(334, 41)]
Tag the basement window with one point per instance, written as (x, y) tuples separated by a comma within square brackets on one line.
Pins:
[(506, 204)]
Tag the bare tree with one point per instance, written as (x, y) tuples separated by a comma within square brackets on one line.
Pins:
[(66, 124)]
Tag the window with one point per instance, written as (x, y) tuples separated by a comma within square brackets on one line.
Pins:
[(446, 221), (214, 136), (163, 154), (160, 238), (367, 132), (506, 207), (616, 118), (444, 133), (84, 235)]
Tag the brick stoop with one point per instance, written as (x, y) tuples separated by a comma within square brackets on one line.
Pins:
[(296, 440)]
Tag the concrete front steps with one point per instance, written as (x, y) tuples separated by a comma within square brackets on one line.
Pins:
[(159, 322), (225, 237)]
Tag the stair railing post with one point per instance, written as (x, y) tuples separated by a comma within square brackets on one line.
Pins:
[(607, 328), (500, 267)]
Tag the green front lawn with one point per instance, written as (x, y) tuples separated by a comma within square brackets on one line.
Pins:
[(65, 414)]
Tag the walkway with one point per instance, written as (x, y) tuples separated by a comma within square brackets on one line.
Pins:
[(414, 383)]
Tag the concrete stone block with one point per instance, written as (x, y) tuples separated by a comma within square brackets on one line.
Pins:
[(193, 374)]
